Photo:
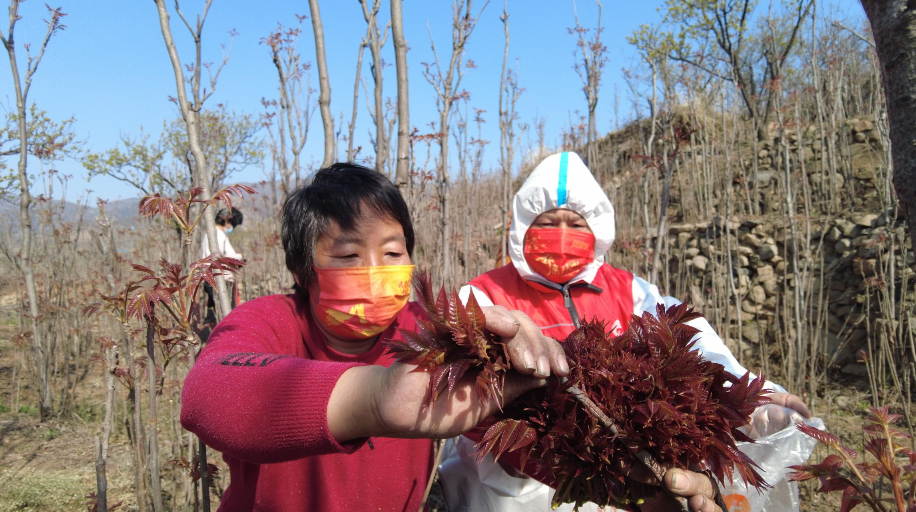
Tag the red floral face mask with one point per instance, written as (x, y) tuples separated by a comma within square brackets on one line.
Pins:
[(558, 254), (360, 302)]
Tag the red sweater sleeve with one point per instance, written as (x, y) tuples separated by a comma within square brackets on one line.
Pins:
[(250, 396)]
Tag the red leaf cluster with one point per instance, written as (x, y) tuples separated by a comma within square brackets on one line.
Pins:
[(861, 482), (451, 342), (661, 395), (664, 399)]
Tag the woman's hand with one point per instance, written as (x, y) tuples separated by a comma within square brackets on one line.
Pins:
[(791, 401), (388, 402), (697, 488)]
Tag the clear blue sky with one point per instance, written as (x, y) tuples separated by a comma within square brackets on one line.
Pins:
[(110, 70)]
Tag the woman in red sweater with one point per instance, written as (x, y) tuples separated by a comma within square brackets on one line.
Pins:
[(297, 391)]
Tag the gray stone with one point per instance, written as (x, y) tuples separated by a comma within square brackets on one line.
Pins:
[(866, 268), (855, 369), (765, 177), (743, 261), (844, 402), (749, 307), (681, 228), (856, 318), (833, 234), (860, 137), (751, 240), (682, 239), (767, 251), (757, 295), (744, 281), (771, 287), (770, 304), (866, 221), (843, 245), (862, 125), (700, 262), (845, 226), (692, 252), (751, 334), (864, 173), (765, 273), (866, 251)]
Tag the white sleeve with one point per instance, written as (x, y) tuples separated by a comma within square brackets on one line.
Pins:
[(227, 249), (465, 293), (204, 246), (646, 296)]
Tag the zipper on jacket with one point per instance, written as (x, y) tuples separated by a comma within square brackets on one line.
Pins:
[(570, 307), (567, 297)]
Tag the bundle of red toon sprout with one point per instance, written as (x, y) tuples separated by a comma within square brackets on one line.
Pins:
[(658, 399)]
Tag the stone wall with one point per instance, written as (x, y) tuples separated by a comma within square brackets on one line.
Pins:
[(851, 266), (849, 165)]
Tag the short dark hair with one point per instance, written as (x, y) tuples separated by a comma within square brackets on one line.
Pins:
[(336, 193), (231, 216)]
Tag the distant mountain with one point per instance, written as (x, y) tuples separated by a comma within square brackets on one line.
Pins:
[(123, 212)]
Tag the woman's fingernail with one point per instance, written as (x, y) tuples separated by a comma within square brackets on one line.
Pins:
[(564, 368), (543, 366), (528, 359), (679, 482)]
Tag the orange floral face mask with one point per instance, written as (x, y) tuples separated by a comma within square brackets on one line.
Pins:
[(558, 254), (360, 302)]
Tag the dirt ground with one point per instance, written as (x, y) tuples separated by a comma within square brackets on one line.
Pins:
[(49, 466)]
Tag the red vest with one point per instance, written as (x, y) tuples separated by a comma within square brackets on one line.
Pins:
[(548, 307)]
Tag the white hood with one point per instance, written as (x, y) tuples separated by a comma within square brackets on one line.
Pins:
[(561, 181)]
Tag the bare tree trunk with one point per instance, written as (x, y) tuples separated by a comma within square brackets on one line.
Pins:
[(324, 87), (893, 24), (504, 143), (352, 127), (153, 420), (296, 113), (402, 174), (376, 41), (662, 219), (135, 425), (46, 402), (590, 70), (446, 83), (191, 114), (107, 246), (445, 186)]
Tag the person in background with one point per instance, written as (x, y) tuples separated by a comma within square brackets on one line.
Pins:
[(226, 221), (563, 224), (297, 391)]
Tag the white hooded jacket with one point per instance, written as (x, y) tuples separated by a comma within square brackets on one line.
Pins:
[(559, 181)]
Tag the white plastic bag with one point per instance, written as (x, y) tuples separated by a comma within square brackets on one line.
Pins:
[(778, 445), (485, 487)]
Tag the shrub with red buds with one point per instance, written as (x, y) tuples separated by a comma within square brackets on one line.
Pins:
[(645, 395)]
